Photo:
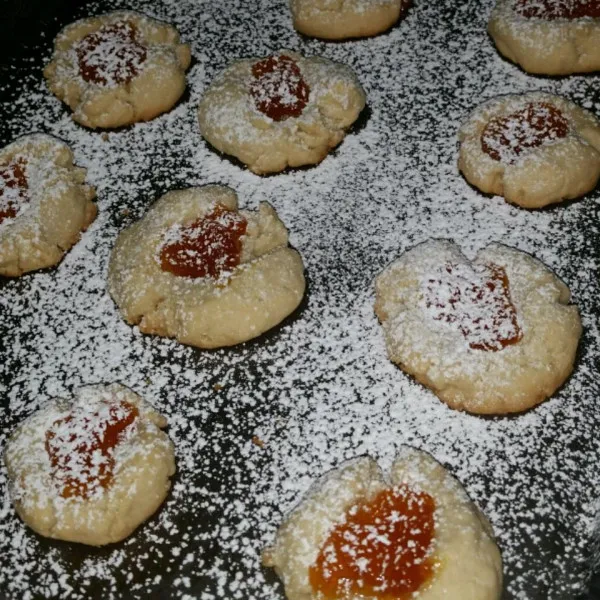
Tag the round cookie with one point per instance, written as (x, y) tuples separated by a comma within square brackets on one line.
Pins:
[(341, 19), (534, 149), (493, 335), (92, 468), (44, 203), (197, 269), (551, 37), (279, 111), (429, 541), (118, 68)]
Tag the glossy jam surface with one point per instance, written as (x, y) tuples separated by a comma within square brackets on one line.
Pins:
[(111, 55), (13, 188), (208, 247), (558, 9), (81, 446), (383, 549), (505, 138), (477, 302), (278, 88)]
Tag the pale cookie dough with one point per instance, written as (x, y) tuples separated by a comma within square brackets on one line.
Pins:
[(326, 97), (462, 552), (534, 149), (68, 482), (341, 19), (118, 68), (484, 339), (44, 203), (551, 37), (218, 309)]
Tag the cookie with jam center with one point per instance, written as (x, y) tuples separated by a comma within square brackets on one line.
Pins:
[(92, 468), (118, 68), (534, 149), (548, 37), (414, 533), (492, 335), (280, 111), (45, 203), (198, 269)]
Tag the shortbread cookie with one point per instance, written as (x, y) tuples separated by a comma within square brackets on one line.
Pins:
[(44, 203), (534, 149), (493, 335), (279, 111), (552, 37), (341, 19), (92, 468), (198, 269), (118, 68), (415, 534)]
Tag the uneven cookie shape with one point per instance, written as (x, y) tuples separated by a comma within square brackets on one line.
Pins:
[(358, 534), (341, 19), (118, 68), (494, 335), (44, 203), (552, 37), (534, 149), (283, 110), (197, 269), (92, 468)]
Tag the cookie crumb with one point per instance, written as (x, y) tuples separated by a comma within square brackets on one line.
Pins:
[(257, 441)]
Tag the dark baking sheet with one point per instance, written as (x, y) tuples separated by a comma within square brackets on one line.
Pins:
[(318, 388)]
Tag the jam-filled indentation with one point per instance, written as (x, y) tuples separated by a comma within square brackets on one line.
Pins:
[(383, 549), (208, 247), (551, 10), (13, 188), (278, 88), (81, 447), (111, 55), (477, 302), (506, 138)]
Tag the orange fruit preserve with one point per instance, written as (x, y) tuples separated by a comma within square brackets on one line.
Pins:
[(81, 445), (13, 188), (208, 247), (383, 549)]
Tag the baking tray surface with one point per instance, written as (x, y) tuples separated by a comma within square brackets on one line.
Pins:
[(255, 424)]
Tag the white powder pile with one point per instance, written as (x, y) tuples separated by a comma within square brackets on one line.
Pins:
[(254, 425)]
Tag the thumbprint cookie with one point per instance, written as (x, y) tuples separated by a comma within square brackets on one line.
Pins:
[(198, 269), (492, 335), (92, 468), (118, 68), (280, 111)]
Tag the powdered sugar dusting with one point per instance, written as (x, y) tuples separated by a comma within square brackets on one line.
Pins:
[(110, 56), (320, 388), (476, 301)]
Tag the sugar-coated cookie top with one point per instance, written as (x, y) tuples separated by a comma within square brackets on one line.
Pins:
[(29, 171), (74, 450), (470, 308), (111, 49), (240, 90), (359, 533)]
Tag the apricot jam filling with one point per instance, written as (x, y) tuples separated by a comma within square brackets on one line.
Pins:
[(111, 55), (278, 88), (505, 138), (13, 188), (208, 247), (383, 549), (558, 9), (477, 302), (81, 447)]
